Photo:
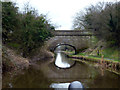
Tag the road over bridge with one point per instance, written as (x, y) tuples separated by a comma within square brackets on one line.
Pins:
[(73, 33)]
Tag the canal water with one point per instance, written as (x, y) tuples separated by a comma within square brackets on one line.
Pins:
[(62, 61), (55, 74)]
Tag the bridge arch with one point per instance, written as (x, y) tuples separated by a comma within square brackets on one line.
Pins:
[(65, 45)]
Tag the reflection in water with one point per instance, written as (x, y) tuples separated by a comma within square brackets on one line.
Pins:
[(60, 85), (102, 71), (62, 61), (44, 74)]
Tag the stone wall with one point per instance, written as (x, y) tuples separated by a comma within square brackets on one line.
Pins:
[(78, 42)]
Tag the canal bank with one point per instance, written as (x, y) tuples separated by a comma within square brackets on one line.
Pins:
[(17, 71), (101, 55), (111, 65), (43, 73), (13, 61)]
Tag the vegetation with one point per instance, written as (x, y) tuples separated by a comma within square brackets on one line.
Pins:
[(103, 18), (24, 30)]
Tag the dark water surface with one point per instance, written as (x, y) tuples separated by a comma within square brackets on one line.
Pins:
[(45, 73)]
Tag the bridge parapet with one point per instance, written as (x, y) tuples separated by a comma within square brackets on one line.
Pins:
[(73, 33)]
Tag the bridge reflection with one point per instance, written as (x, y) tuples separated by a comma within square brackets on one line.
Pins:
[(62, 61)]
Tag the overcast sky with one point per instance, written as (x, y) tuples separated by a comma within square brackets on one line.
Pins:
[(60, 12)]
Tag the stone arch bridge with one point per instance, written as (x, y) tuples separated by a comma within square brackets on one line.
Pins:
[(80, 39)]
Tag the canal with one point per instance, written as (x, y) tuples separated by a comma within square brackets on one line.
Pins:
[(59, 73)]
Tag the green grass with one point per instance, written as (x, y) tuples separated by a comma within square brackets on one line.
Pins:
[(81, 54), (108, 53), (111, 53), (95, 58), (70, 52), (14, 45), (99, 57)]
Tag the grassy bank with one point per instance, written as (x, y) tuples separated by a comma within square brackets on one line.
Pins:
[(108, 53), (107, 58), (98, 57)]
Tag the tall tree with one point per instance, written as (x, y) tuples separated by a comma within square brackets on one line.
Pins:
[(28, 29), (102, 18), (9, 19)]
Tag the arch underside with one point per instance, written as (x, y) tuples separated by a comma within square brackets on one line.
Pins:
[(65, 45)]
